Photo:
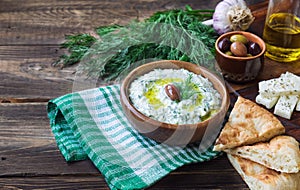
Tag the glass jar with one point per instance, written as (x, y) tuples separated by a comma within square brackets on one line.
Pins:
[(282, 30)]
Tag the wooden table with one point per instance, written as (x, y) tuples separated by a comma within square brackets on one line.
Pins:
[(30, 34)]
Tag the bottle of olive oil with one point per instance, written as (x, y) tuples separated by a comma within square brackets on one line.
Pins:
[(282, 37)]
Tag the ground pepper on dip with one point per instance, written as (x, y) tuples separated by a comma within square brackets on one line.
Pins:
[(198, 98)]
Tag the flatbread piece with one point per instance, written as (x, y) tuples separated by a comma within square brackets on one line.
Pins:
[(258, 177), (281, 153), (248, 123)]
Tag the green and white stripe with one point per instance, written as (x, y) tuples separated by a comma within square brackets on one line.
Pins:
[(91, 123)]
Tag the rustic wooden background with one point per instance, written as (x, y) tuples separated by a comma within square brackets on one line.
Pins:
[(30, 34)]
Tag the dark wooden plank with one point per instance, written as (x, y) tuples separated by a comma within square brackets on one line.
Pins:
[(47, 22), (214, 174), (53, 182), (27, 74), (28, 147), (187, 177), (28, 52), (14, 88), (187, 181)]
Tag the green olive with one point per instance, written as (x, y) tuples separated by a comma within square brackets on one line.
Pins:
[(228, 53), (239, 38)]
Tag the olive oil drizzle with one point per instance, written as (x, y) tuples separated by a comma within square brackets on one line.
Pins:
[(187, 90), (153, 90)]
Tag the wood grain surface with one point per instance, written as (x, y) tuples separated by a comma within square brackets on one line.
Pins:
[(31, 32)]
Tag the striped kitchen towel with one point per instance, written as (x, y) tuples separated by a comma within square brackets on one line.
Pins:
[(91, 124)]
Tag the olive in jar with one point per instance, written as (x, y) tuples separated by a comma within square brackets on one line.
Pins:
[(239, 38), (253, 48), (224, 45), (238, 49)]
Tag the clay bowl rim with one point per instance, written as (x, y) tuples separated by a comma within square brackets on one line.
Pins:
[(258, 40), (216, 81)]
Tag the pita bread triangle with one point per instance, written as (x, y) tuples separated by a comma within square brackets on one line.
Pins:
[(259, 177), (248, 123), (281, 153)]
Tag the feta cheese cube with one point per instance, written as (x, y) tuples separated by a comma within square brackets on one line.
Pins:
[(286, 84), (289, 75), (267, 101), (285, 106), (298, 105)]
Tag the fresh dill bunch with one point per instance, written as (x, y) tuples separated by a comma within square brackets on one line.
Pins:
[(170, 35), (189, 20), (102, 30), (77, 46)]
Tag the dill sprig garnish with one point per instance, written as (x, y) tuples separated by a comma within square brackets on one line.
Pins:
[(187, 88)]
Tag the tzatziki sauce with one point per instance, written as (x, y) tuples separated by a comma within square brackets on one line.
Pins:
[(198, 98)]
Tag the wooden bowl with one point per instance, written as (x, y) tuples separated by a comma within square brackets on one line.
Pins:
[(240, 69), (171, 134)]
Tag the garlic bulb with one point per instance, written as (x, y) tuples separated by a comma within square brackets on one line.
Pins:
[(232, 15)]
